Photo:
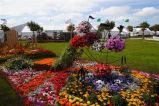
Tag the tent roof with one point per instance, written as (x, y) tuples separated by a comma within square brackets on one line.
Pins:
[(26, 29), (19, 28), (125, 30), (115, 29)]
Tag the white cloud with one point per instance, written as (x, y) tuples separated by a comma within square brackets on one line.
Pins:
[(114, 11), (11, 22), (21, 7), (54, 13), (147, 11)]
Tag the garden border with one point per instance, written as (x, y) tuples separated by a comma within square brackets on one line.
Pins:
[(4, 76)]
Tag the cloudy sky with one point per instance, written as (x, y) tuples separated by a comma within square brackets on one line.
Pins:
[(52, 14)]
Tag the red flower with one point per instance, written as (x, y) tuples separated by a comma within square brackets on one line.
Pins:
[(59, 80), (34, 83), (102, 69), (85, 40)]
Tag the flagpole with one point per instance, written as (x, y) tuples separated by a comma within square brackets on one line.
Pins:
[(91, 24)]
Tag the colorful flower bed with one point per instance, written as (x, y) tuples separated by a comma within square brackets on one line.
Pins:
[(115, 88), (112, 87), (38, 87)]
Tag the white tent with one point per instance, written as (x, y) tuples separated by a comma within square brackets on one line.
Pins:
[(138, 31), (114, 31), (26, 33), (125, 32)]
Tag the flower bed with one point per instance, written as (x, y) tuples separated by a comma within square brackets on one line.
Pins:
[(37, 87), (115, 88), (32, 53), (44, 64), (4, 58), (39, 53)]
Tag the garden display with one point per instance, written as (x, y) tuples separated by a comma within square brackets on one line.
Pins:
[(114, 88), (72, 81)]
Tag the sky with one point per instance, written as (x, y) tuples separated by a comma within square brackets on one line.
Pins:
[(52, 14)]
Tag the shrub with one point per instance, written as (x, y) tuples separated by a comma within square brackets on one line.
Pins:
[(17, 64)]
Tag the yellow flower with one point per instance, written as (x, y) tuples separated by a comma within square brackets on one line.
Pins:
[(88, 102)]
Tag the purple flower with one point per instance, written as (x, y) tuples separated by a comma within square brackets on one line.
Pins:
[(116, 44), (84, 27), (114, 88)]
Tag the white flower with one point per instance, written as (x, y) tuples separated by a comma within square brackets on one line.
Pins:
[(99, 84), (117, 81), (98, 46)]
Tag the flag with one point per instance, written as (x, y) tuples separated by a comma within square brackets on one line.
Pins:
[(127, 20), (99, 20), (91, 17), (68, 21), (4, 21)]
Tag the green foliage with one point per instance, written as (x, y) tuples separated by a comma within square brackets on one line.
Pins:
[(144, 25), (149, 99), (8, 97), (4, 59), (108, 25), (130, 28), (155, 28), (17, 64), (118, 101), (92, 97), (71, 78), (5, 28), (33, 26), (71, 27), (67, 58)]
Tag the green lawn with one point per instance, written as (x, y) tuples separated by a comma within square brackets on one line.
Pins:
[(141, 54), (7, 95)]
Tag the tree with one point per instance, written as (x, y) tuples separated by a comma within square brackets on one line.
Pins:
[(40, 30), (71, 28), (5, 29), (155, 28), (130, 29), (108, 26), (144, 25), (33, 27), (120, 28)]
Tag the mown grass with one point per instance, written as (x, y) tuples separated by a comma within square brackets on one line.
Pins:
[(141, 54), (8, 96)]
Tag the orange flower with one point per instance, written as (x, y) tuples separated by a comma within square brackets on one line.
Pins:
[(47, 61), (34, 83)]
